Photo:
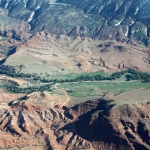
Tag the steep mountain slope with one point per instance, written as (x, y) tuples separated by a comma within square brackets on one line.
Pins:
[(61, 17), (12, 27), (132, 15), (33, 123), (113, 127)]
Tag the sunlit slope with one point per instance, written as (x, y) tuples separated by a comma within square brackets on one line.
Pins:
[(45, 53)]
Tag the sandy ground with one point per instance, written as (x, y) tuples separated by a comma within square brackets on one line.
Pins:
[(50, 99), (5, 97)]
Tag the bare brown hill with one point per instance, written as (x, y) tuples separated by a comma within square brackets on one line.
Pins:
[(31, 123), (47, 53), (113, 127)]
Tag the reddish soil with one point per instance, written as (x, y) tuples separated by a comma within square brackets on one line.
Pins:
[(50, 54), (98, 124)]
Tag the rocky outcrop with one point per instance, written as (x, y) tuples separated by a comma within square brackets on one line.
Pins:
[(95, 124), (113, 127), (32, 124)]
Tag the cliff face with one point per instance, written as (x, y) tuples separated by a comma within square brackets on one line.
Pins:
[(96, 124)]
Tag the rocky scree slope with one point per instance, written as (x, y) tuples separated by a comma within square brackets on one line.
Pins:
[(86, 18), (13, 28), (133, 16)]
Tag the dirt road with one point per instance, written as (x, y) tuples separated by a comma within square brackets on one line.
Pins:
[(67, 97), (67, 100)]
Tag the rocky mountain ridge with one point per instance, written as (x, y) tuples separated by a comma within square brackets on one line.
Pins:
[(62, 16), (35, 125), (49, 38)]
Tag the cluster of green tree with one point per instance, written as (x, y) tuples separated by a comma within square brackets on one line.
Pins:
[(11, 73), (23, 75), (134, 75), (69, 91), (14, 74), (28, 90), (130, 74), (86, 78)]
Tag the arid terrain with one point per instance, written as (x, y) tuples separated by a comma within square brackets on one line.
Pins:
[(35, 122), (74, 75), (65, 55)]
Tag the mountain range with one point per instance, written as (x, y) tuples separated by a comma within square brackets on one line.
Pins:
[(74, 74)]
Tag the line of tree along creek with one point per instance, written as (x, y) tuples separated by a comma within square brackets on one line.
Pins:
[(129, 74), (28, 90)]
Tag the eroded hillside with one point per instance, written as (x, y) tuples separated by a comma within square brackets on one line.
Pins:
[(64, 55), (62, 17), (74, 75), (35, 123)]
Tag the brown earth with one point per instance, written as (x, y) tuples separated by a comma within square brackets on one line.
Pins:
[(41, 121), (32, 122), (113, 127), (6, 97), (47, 53)]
